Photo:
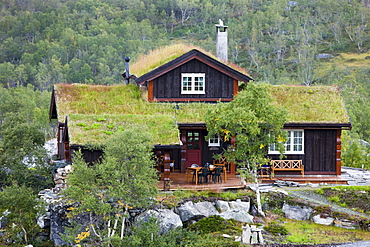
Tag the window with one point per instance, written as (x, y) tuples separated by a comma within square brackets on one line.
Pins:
[(294, 145), (192, 83), (214, 141)]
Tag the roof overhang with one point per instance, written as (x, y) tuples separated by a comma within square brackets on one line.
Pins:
[(193, 54), (344, 126), (192, 126)]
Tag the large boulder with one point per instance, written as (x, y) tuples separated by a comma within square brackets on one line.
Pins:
[(237, 214), (323, 219), (238, 204), (168, 220), (296, 212), (222, 206), (190, 211), (206, 208)]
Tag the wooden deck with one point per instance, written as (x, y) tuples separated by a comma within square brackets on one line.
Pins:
[(179, 181)]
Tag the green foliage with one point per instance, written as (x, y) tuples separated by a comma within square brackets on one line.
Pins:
[(309, 233), (349, 196), (20, 206), (276, 229), (214, 224), (146, 234), (24, 126), (125, 178), (253, 121), (356, 152)]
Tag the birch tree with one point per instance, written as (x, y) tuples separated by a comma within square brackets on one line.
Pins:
[(125, 178), (255, 122)]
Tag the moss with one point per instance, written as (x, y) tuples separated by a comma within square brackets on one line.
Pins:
[(114, 107), (214, 224), (276, 229)]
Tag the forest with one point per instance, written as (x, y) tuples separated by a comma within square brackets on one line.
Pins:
[(44, 42)]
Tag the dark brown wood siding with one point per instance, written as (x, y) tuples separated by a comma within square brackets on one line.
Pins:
[(320, 152), (217, 84)]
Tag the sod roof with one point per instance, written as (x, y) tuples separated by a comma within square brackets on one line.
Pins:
[(95, 111), (163, 55)]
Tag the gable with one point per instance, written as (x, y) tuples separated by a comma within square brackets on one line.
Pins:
[(192, 81), (193, 54)]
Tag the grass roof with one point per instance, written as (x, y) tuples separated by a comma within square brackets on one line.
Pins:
[(95, 111), (315, 104), (156, 58)]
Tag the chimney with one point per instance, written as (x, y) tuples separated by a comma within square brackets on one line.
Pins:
[(221, 41)]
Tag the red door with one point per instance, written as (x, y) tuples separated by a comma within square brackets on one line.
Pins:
[(193, 148)]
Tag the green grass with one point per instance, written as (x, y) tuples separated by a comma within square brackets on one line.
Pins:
[(163, 55), (315, 104), (96, 111), (305, 232)]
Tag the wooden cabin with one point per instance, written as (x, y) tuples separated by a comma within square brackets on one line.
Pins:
[(178, 92)]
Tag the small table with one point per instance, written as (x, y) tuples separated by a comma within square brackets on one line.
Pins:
[(190, 169)]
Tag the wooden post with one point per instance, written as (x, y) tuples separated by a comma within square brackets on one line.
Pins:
[(338, 161), (166, 171)]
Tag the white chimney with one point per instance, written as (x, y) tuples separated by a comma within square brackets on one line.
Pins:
[(221, 41)]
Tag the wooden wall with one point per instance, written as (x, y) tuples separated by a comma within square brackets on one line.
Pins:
[(320, 156), (217, 84)]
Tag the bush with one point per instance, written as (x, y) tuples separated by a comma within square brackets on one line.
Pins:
[(213, 224), (276, 229)]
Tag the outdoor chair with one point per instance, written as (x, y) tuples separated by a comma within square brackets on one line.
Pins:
[(203, 174), (217, 174), (194, 173)]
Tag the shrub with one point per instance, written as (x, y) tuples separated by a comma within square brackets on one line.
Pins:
[(276, 229), (213, 224)]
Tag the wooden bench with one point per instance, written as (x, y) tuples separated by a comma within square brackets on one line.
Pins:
[(287, 165)]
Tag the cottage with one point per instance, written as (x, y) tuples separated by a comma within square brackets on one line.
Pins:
[(88, 114), (171, 90)]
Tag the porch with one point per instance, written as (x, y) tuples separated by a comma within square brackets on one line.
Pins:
[(180, 181)]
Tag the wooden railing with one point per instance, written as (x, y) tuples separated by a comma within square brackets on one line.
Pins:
[(287, 165)]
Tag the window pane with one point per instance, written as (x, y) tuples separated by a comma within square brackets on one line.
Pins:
[(186, 83)]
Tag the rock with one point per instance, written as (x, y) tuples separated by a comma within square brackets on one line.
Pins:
[(292, 4), (346, 224), (58, 220), (323, 219), (296, 212), (206, 208), (43, 221), (252, 235), (222, 206), (246, 235), (168, 220), (188, 212), (3, 218), (239, 204), (324, 55), (237, 214)]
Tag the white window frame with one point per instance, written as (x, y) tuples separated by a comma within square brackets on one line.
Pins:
[(293, 142), (214, 141), (192, 88)]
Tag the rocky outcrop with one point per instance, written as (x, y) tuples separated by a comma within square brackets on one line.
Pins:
[(297, 212), (167, 219)]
